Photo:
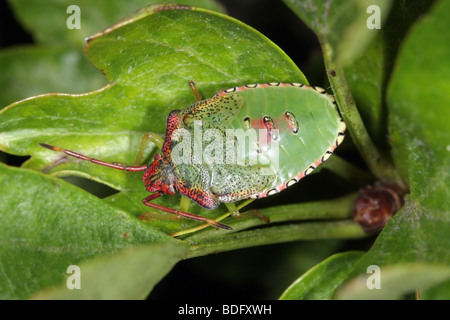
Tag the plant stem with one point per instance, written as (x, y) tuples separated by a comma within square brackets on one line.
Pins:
[(335, 223), (343, 229), (347, 170), (378, 165), (339, 208)]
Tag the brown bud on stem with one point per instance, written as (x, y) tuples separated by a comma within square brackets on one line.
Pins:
[(376, 204)]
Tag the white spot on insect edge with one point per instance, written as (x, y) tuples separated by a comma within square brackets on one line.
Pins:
[(327, 155), (448, 148)]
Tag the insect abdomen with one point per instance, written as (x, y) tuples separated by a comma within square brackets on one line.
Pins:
[(302, 128), (233, 183)]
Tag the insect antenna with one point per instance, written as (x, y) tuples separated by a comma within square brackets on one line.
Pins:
[(93, 160)]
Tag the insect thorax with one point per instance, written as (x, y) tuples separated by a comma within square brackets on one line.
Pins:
[(223, 161)]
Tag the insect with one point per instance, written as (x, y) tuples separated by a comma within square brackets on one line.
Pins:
[(246, 142)]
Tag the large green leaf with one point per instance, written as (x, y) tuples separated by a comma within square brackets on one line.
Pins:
[(129, 274), (146, 85), (34, 70), (417, 100), (149, 67), (48, 224), (418, 128), (47, 20), (395, 281), (321, 281), (341, 24), (417, 97), (214, 50), (55, 63), (420, 139), (368, 75), (342, 28)]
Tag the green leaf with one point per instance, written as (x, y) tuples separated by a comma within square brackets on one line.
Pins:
[(59, 225), (129, 274), (34, 70), (395, 281), (420, 136), (149, 58), (418, 118), (321, 281), (47, 20), (437, 292), (343, 32), (420, 144), (150, 78), (56, 63), (341, 24), (368, 75), (419, 132), (208, 45)]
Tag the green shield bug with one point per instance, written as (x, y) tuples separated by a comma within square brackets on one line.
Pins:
[(246, 142)]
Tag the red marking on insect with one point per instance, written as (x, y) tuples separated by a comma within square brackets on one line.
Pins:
[(196, 194), (291, 121), (266, 128), (173, 123), (159, 177), (272, 130)]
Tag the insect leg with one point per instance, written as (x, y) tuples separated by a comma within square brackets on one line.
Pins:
[(154, 138), (184, 203), (233, 209), (226, 215), (193, 87), (96, 161), (147, 202)]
